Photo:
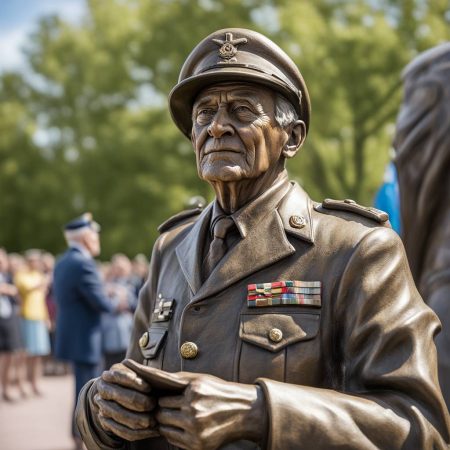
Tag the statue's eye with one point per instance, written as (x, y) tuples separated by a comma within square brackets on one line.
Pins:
[(242, 109), (204, 116), (205, 112)]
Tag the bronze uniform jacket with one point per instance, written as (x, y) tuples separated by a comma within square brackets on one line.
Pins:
[(357, 373)]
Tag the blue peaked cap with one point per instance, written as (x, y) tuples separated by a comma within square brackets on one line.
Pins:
[(84, 221)]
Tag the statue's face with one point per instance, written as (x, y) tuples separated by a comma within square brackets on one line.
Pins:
[(234, 132)]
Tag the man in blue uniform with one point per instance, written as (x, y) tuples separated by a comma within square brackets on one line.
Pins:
[(81, 300)]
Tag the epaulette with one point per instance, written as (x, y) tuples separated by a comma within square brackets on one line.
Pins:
[(351, 206), (183, 215)]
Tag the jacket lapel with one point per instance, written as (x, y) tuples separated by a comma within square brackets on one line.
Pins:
[(264, 245), (190, 250)]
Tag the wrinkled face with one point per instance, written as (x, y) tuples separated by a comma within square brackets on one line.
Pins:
[(234, 132)]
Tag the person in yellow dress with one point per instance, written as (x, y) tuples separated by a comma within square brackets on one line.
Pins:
[(32, 284)]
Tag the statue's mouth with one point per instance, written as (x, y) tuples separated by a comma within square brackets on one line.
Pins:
[(222, 150)]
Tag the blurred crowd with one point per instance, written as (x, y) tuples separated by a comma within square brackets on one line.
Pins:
[(28, 309)]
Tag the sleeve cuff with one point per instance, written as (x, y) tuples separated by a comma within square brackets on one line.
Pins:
[(266, 442)]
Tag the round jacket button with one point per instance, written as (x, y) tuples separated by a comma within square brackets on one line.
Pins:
[(189, 350), (297, 221), (143, 340), (275, 335)]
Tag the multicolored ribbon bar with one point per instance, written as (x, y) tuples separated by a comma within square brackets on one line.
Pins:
[(284, 293), (278, 302), (279, 284), (284, 297), (285, 290)]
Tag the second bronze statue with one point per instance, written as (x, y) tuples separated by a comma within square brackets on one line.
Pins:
[(305, 331)]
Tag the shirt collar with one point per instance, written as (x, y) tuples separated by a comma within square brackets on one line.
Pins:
[(250, 214), (81, 248)]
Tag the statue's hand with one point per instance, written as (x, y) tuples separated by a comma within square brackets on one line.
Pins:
[(211, 412), (125, 406)]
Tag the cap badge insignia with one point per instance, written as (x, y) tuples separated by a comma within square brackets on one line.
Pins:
[(228, 50)]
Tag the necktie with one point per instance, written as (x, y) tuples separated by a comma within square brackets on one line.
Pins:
[(218, 246)]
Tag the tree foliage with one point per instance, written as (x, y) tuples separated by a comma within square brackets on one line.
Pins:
[(88, 127)]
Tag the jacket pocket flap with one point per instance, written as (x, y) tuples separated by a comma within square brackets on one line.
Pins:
[(275, 331), (156, 336)]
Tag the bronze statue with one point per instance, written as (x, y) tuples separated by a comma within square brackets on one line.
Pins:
[(422, 146), (268, 320)]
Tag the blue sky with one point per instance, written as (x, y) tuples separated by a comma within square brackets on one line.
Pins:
[(17, 19)]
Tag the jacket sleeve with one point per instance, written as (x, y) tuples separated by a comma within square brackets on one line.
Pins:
[(94, 437), (91, 288), (90, 429), (388, 396)]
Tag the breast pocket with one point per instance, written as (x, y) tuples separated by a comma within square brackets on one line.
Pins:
[(274, 345)]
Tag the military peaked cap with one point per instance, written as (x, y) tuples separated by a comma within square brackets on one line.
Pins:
[(236, 55), (84, 221)]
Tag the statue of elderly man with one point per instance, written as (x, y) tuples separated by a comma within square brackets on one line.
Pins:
[(268, 320)]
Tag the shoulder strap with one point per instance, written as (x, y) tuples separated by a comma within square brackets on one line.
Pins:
[(351, 206), (178, 218)]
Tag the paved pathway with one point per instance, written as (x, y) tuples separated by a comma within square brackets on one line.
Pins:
[(39, 423)]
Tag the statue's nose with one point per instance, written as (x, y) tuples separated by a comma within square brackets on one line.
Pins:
[(220, 125)]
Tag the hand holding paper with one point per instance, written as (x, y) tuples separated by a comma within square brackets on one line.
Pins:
[(125, 404)]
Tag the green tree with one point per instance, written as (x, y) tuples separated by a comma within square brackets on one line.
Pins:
[(352, 66), (31, 188), (89, 128)]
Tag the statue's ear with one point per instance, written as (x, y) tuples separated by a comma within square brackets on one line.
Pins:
[(297, 135)]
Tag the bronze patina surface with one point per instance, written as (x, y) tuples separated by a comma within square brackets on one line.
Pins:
[(422, 145), (308, 331)]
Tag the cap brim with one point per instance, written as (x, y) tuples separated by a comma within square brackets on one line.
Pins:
[(183, 95)]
